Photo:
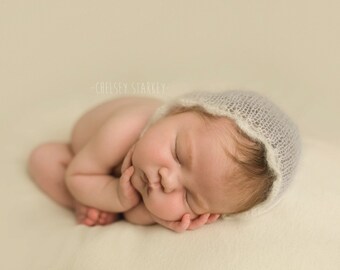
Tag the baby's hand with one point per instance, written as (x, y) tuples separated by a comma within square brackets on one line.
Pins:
[(127, 162), (127, 194), (186, 223)]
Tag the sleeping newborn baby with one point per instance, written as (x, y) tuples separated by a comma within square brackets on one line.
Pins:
[(181, 164)]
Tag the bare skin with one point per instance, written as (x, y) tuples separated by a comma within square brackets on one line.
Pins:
[(48, 162), (92, 173)]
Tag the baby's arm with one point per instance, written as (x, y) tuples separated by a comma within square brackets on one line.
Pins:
[(139, 215), (88, 175), (186, 223)]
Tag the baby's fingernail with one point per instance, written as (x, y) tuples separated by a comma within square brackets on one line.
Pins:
[(130, 171)]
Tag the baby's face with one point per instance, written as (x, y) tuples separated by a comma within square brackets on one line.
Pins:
[(181, 167)]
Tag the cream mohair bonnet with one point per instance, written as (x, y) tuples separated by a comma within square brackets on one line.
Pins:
[(262, 121)]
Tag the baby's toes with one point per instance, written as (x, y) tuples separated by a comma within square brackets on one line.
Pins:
[(107, 218), (81, 213), (103, 218), (92, 217), (89, 222), (112, 217), (93, 213)]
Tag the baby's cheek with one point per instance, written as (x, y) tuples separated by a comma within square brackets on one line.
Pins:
[(171, 211)]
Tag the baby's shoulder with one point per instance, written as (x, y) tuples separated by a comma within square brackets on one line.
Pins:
[(131, 114), (133, 102), (123, 117), (125, 125), (135, 107)]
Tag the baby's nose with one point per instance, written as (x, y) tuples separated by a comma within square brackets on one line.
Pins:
[(152, 183), (168, 180)]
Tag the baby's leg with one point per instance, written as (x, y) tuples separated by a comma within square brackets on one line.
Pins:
[(47, 165)]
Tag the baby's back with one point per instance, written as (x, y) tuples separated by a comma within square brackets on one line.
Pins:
[(139, 110)]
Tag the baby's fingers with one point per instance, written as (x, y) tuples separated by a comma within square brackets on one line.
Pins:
[(128, 195), (177, 226), (199, 221), (126, 176), (183, 225), (127, 160), (126, 187), (203, 219), (125, 181), (213, 218)]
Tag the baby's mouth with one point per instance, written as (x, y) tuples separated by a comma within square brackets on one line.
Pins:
[(143, 177), (141, 183)]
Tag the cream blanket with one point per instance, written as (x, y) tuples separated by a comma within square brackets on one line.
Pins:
[(60, 58)]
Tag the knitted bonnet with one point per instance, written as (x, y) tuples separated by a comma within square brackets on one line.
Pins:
[(262, 121)]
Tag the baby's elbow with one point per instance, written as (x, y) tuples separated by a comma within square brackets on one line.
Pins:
[(137, 221), (138, 218)]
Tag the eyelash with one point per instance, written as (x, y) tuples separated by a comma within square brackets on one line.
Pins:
[(186, 196), (185, 192), (176, 154)]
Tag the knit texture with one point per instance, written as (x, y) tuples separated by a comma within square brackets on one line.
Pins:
[(262, 121)]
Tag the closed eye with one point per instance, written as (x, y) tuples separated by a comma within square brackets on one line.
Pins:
[(176, 151)]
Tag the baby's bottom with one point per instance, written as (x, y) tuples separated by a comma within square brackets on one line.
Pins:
[(47, 166)]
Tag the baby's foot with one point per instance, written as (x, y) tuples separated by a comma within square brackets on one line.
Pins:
[(91, 216)]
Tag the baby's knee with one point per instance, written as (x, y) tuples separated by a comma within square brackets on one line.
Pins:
[(45, 154), (37, 156)]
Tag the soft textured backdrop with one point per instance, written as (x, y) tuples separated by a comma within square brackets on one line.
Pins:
[(58, 58)]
